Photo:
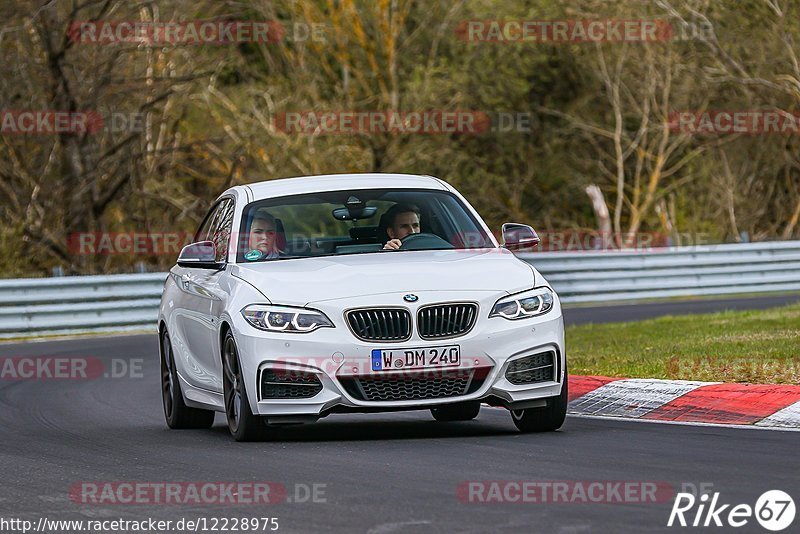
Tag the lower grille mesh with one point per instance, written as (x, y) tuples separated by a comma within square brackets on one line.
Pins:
[(289, 384), (531, 369), (416, 386), (385, 389)]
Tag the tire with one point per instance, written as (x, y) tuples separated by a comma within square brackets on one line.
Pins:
[(243, 425), (177, 414), (546, 419), (465, 411)]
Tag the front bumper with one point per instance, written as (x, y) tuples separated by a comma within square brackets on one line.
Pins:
[(336, 358)]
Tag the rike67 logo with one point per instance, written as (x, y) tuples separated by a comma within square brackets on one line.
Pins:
[(774, 510)]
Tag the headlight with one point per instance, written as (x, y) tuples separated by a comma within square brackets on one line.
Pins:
[(285, 319), (522, 305)]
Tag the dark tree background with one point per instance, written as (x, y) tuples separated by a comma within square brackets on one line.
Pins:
[(598, 116)]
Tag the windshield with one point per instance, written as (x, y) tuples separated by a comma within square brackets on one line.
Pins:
[(356, 222)]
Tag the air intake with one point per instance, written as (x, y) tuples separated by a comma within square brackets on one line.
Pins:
[(531, 369)]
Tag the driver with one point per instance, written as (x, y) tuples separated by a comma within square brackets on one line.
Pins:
[(401, 220)]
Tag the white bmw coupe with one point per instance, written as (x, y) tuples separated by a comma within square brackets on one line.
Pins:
[(349, 293)]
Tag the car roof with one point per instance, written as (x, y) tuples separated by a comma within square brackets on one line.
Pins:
[(336, 182)]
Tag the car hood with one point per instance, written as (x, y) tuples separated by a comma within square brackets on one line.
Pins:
[(301, 281)]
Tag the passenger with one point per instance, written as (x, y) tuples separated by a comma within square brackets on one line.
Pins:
[(263, 243)]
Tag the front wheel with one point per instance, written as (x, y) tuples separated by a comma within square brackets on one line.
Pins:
[(545, 419), (177, 414), (242, 423)]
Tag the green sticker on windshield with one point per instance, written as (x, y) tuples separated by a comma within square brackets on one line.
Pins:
[(253, 255)]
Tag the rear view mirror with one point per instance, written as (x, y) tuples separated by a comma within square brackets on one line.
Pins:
[(519, 236), (354, 214), (202, 255), (354, 209)]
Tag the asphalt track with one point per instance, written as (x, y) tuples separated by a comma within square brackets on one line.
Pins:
[(648, 310), (381, 473)]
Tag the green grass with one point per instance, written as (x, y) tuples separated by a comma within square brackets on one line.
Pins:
[(759, 346)]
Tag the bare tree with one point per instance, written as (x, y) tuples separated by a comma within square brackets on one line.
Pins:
[(57, 183)]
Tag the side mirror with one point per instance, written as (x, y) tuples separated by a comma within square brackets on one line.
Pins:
[(200, 255), (519, 236)]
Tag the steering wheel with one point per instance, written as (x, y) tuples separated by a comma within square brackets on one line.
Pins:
[(424, 241)]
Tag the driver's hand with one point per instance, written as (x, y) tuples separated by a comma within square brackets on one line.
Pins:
[(393, 244)]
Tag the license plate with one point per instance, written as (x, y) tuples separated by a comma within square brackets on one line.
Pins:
[(416, 358)]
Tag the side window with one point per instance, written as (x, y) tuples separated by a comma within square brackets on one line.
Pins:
[(221, 229), (204, 230), (217, 227)]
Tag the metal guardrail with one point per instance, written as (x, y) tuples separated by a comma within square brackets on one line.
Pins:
[(675, 272), (34, 306), (119, 302)]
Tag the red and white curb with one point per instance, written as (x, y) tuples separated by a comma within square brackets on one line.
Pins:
[(686, 401)]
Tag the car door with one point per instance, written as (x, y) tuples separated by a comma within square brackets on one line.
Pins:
[(202, 301)]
